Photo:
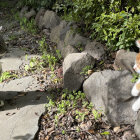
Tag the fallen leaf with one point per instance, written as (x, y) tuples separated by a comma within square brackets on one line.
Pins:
[(117, 129)]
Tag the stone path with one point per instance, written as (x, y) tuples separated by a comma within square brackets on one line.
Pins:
[(23, 104)]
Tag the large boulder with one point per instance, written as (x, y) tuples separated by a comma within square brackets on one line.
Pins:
[(30, 14), (40, 13), (125, 60), (23, 11), (72, 68), (50, 19), (58, 33), (95, 49), (75, 39), (66, 50), (137, 126), (72, 43), (110, 91), (40, 23)]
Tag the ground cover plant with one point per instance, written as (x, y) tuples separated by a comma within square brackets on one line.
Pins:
[(72, 116), (116, 23)]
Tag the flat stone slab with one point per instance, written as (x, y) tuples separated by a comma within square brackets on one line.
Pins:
[(20, 121), (12, 60), (15, 58), (10, 89)]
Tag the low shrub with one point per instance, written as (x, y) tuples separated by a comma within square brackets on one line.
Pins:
[(119, 30), (114, 22), (37, 3)]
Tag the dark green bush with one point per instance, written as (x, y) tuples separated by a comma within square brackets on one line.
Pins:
[(37, 3), (118, 30), (115, 22)]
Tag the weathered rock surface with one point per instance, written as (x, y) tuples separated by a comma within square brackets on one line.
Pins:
[(75, 39), (137, 126), (59, 32), (95, 49), (40, 13), (10, 89), (20, 120), (110, 91), (66, 50), (50, 20), (12, 59), (72, 67), (30, 14), (72, 41), (23, 11), (125, 60), (40, 23)]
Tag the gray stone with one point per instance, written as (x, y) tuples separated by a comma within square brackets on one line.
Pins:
[(23, 11), (128, 135), (110, 91), (137, 126), (50, 20), (30, 14), (12, 59), (72, 68), (71, 43), (75, 39), (40, 13), (20, 121), (59, 32), (46, 32), (125, 60), (40, 23), (95, 49), (66, 50), (10, 89)]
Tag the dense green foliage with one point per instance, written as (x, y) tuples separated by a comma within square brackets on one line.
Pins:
[(37, 3), (114, 22)]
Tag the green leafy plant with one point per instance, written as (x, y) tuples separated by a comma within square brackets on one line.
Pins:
[(34, 64), (37, 4), (115, 23), (119, 30), (50, 59), (96, 114), (58, 54), (12, 37), (63, 132), (71, 101), (4, 4), (6, 75), (28, 25), (136, 76), (80, 116), (50, 104), (105, 133), (85, 69), (43, 45)]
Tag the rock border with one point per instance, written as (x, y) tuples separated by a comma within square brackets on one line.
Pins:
[(71, 45)]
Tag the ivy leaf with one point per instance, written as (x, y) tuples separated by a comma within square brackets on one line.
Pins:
[(105, 133), (31, 64), (26, 67)]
